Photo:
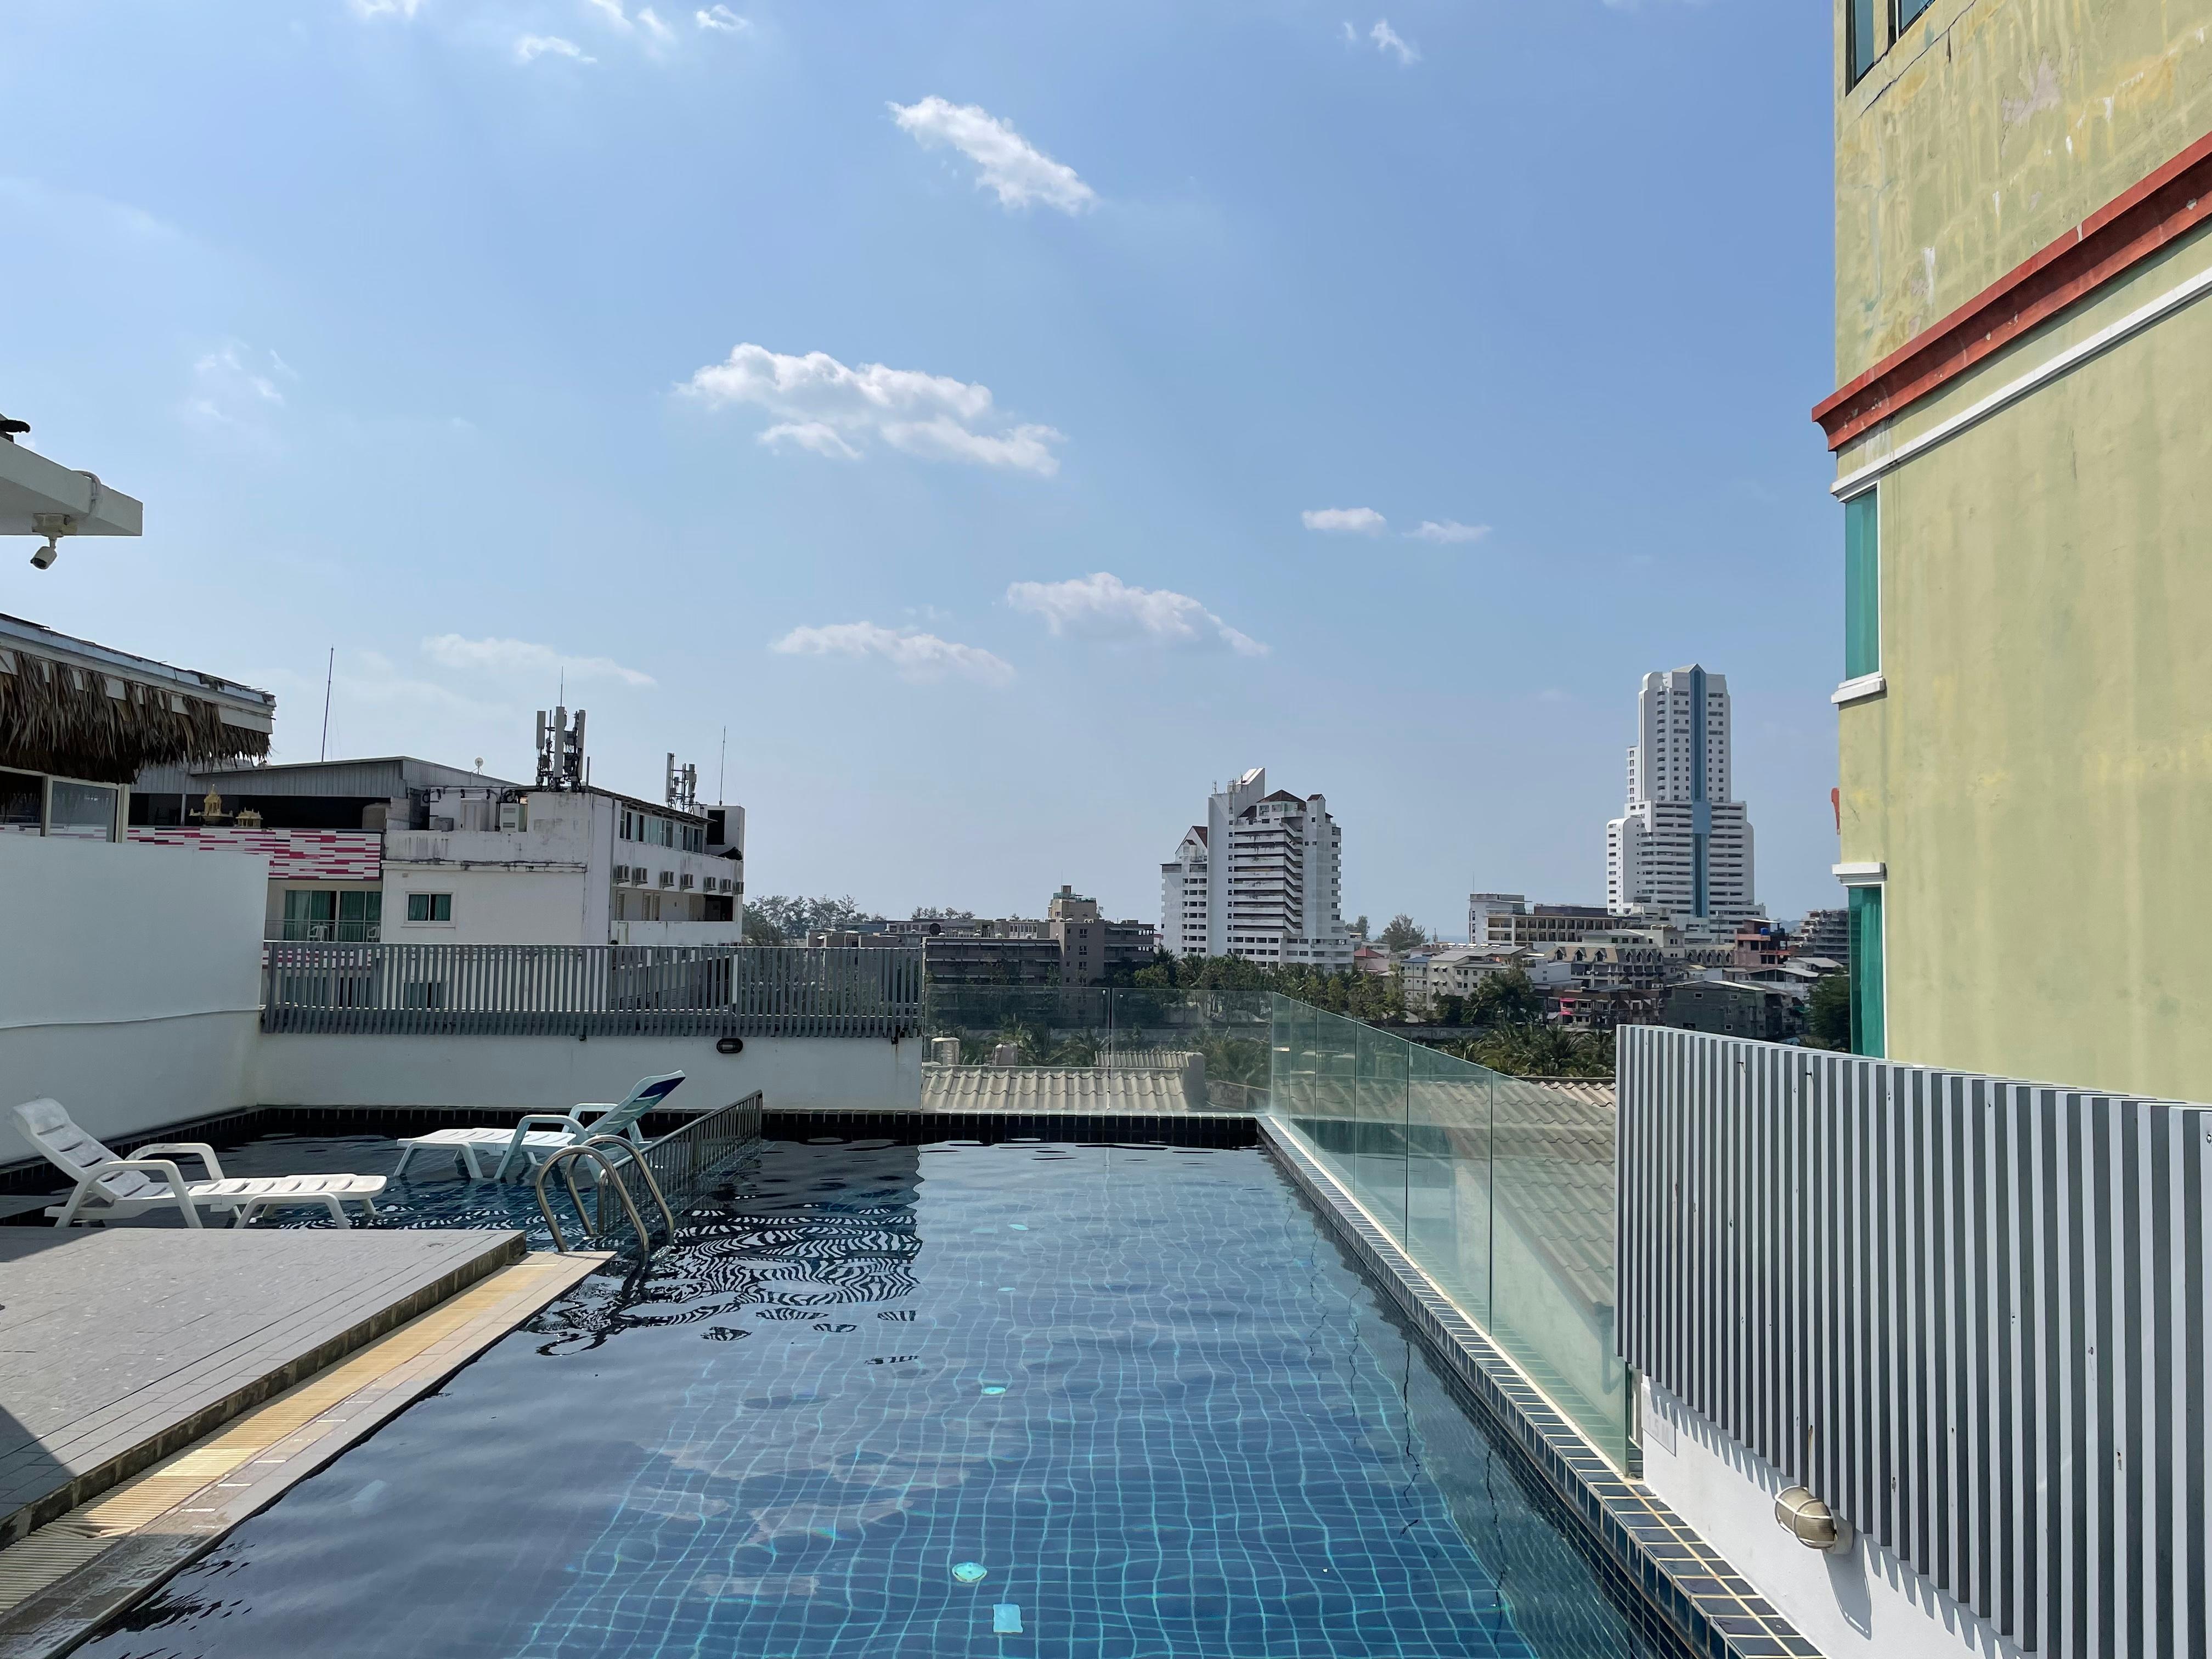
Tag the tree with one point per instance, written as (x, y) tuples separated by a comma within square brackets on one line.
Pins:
[(1828, 1012), (1541, 1051), (1448, 1010), (1508, 998), (1360, 925), (935, 913), (1402, 933), (795, 918), (759, 930)]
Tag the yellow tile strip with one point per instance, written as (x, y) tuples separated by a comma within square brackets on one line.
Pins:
[(211, 1487)]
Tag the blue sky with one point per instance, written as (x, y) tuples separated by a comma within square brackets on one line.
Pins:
[(935, 396)]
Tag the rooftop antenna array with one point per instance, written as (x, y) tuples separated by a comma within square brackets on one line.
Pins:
[(560, 749), (682, 786)]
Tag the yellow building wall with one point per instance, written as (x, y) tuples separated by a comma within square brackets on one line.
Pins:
[(2037, 776), (1989, 129)]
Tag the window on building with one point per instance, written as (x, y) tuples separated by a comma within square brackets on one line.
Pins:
[(429, 907), (85, 811), (22, 804), (1862, 38), (1862, 585), (1868, 1008), (1908, 11)]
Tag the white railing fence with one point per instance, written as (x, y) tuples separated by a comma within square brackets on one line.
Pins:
[(575, 990)]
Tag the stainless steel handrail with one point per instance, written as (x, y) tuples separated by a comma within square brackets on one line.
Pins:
[(567, 1155), (636, 1154)]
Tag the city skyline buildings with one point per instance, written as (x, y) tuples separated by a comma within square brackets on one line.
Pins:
[(1261, 878), (1684, 842)]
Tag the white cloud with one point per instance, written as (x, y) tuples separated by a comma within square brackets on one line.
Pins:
[(722, 20), (818, 436), (662, 34), (1387, 39), (402, 9), (914, 654), (537, 46), (823, 406), (1353, 521), (1103, 607), (1445, 532), (234, 390), (1019, 171), (612, 11), (520, 657)]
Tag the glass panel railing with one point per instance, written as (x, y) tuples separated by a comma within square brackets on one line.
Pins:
[(1448, 1200), (1500, 1190), (1122, 1048), (1552, 1193)]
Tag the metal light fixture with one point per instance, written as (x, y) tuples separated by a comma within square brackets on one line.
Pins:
[(1811, 1521)]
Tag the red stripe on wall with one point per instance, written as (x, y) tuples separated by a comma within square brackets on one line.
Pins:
[(2126, 231)]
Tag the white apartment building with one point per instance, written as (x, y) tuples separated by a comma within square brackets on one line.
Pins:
[(1683, 845), (1261, 878), (1449, 971), (401, 850)]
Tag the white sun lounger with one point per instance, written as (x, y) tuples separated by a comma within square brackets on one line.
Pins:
[(524, 1146), (109, 1187)]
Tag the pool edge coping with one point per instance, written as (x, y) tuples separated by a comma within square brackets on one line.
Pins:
[(1641, 1534)]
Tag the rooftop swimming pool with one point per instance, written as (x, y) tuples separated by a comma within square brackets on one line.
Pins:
[(1029, 1398)]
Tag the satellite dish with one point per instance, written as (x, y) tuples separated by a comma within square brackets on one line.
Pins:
[(479, 762)]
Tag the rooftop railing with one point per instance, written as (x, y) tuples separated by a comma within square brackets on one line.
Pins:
[(1968, 1313), (581, 990), (1500, 1189)]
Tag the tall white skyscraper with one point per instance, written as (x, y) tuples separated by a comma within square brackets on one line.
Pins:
[(1683, 844), (1259, 878)]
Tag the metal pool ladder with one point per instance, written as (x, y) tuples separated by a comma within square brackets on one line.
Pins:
[(609, 1174)]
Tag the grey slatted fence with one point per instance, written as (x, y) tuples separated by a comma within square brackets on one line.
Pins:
[(1969, 1313), (576, 990)]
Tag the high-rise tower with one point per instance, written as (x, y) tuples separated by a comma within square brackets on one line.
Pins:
[(1683, 844)]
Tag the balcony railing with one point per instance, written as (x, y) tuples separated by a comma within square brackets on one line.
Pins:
[(298, 931), (590, 990)]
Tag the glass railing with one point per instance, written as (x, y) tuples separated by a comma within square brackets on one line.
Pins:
[(1501, 1191), (1217, 1041)]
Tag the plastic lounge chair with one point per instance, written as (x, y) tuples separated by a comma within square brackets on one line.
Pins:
[(524, 1144), (109, 1187)]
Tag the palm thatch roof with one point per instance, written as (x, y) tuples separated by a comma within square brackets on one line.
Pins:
[(84, 723)]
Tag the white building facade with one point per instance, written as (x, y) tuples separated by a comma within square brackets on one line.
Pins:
[(1683, 845), (401, 850), (1261, 878)]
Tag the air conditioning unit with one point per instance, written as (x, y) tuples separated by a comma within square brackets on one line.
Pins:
[(685, 883), (668, 878)]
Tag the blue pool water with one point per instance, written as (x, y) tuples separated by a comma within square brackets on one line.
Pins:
[(1138, 1387)]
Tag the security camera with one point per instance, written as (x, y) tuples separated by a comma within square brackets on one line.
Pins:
[(53, 526)]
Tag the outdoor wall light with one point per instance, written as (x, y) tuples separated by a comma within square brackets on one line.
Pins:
[(1812, 1522)]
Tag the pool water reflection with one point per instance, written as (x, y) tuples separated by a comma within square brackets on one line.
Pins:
[(1027, 1399)]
